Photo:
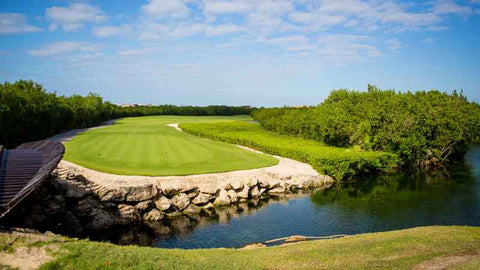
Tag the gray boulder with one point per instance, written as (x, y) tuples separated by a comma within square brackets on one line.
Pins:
[(252, 182), (244, 193), (222, 198), (101, 219), (236, 184), (209, 188), (233, 196), (75, 190), (192, 208), (141, 193), (202, 198), (143, 206), (181, 201), (111, 195), (208, 206), (85, 206), (276, 190), (127, 214), (254, 192), (153, 215), (163, 203)]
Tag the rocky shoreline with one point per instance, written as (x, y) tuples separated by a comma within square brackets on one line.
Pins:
[(81, 202), (71, 203)]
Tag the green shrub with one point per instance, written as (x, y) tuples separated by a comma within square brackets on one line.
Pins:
[(28, 112), (337, 162), (424, 129)]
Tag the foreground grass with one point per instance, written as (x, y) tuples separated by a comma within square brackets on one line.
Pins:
[(386, 250), (146, 146), (337, 162)]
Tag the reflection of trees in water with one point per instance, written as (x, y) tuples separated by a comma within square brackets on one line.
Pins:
[(390, 194), (183, 225)]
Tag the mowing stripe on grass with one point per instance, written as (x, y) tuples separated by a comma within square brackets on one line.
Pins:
[(146, 146)]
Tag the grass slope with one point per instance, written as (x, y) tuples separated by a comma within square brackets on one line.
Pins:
[(385, 250), (335, 161), (146, 146)]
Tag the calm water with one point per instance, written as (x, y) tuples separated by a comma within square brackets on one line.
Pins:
[(373, 204)]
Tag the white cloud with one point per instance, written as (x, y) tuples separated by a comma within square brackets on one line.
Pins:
[(428, 40), (226, 7), (289, 39), (283, 27), (186, 30), (157, 31), (316, 20), (224, 29), (12, 23), (138, 51), (450, 7), (74, 16), (393, 44), (302, 48), (108, 31), (160, 9), (373, 15), (65, 47), (342, 49)]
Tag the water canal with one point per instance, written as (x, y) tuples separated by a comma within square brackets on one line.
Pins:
[(371, 204)]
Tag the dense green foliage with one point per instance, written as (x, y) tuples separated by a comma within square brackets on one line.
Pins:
[(424, 129), (28, 112), (147, 146), (384, 250), (181, 110), (337, 162)]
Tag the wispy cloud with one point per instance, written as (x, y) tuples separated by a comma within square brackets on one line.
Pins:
[(108, 31), (160, 9), (451, 7), (13, 23), (342, 49), (393, 43), (428, 40), (232, 41), (73, 16), (65, 47)]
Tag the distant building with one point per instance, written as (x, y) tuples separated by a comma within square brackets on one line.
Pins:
[(135, 105)]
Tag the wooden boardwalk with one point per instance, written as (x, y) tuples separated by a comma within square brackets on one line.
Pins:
[(24, 168)]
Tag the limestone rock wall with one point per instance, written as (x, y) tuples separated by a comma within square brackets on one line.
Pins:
[(170, 199), (75, 203)]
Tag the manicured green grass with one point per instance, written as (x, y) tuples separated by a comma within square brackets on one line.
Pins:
[(146, 146), (337, 162), (386, 250)]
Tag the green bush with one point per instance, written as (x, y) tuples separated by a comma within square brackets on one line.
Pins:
[(337, 162), (425, 129), (28, 112)]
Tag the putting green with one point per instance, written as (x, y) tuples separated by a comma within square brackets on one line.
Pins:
[(146, 146)]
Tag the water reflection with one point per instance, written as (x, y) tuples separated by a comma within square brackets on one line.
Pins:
[(184, 226), (381, 203)]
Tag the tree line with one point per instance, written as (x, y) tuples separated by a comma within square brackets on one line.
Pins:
[(424, 129), (28, 112)]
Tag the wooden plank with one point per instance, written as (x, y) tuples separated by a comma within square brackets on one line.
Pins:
[(24, 168)]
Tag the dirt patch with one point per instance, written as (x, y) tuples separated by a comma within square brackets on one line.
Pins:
[(448, 262), (175, 126), (254, 246), (25, 258)]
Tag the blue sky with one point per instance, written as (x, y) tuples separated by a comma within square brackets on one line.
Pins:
[(257, 52)]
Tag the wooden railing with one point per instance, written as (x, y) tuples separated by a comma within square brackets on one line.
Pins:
[(24, 168)]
